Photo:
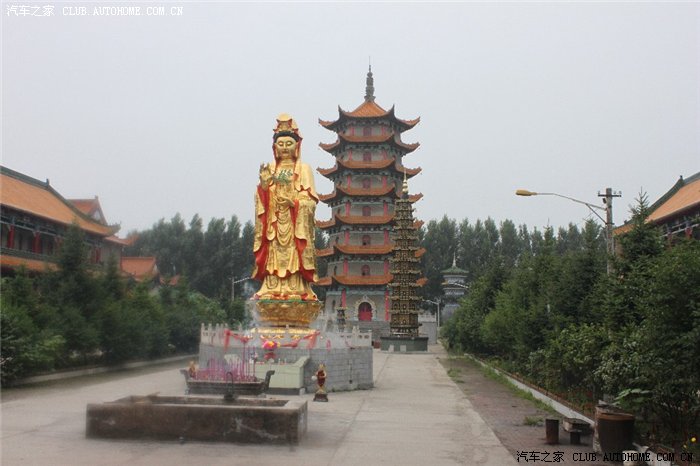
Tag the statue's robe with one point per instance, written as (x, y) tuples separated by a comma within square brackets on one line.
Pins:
[(284, 237)]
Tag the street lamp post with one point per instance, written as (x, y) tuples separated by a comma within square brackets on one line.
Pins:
[(437, 303), (607, 221)]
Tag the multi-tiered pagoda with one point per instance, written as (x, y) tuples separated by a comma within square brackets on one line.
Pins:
[(367, 178), (405, 270)]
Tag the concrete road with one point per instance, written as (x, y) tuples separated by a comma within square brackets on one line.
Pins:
[(415, 415)]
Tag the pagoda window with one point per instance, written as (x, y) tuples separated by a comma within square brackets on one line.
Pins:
[(367, 156), (366, 183), (335, 270), (366, 211), (366, 240), (365, 270), (367, 131)]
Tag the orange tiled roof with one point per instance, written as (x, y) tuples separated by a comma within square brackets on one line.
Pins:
[(116, 240), (324, 281), (354, 250), (360, 280), (386, 138), (140, 268), (369, 109), (686, 197), (361, 220), (358, 249), (34, 265), (373, 165), (350, 191), (683, 196), (355, 220), (34, 197), (91, 208)]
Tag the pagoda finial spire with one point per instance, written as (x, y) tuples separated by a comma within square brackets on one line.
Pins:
[(369, 90), (454, 259)]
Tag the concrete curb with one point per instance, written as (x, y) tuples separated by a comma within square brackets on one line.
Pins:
[(560, 408), (98, 370)]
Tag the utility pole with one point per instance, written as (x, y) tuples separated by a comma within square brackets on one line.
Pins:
[(610, 243)]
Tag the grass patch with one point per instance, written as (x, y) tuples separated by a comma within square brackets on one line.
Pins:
[(520, 393), (453, 373), (532, 421)]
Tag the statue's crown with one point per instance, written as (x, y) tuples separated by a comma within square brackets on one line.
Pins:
[(286, 126)]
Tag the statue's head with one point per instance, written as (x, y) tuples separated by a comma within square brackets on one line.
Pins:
[(286, 139)]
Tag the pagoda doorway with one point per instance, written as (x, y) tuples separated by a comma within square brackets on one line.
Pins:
[(364, 312)]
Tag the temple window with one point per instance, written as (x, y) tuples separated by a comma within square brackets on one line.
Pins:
[(367, 156), (366, 240), (367, 131), (366, 183), (365, 270), (366, 211)]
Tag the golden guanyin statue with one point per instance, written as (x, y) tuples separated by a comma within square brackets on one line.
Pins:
[(285, 204)]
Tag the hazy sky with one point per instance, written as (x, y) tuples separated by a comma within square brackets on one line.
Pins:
[(165, 114)]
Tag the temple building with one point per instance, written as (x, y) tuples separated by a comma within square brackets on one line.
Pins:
[(367, 177), (677, 212), (34, 218)]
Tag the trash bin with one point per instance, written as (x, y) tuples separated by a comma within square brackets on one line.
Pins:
[(614, 429), (552, 429)]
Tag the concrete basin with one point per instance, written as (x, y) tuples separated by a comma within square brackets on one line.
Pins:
[(244, 420)]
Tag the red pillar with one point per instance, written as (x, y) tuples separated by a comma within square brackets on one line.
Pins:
[(36, 247), (11, 237)]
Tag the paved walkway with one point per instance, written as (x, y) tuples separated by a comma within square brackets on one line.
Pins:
[(513, 419), (415, 415)]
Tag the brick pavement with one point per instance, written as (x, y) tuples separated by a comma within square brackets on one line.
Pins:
[(508, 416)]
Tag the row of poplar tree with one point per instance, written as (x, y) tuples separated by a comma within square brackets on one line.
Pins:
[(541, 305)]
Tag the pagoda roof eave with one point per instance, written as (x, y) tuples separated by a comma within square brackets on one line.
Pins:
[(337, 220), (354, 250), (365, 192), (382, 139), (374, 165), (368, 110)]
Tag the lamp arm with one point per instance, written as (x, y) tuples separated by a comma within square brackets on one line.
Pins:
[(591, 207)]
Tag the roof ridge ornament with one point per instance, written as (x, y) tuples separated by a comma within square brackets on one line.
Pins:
[(369, 89)]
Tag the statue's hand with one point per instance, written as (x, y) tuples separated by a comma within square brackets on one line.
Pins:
[(285, 200), (265, 176)]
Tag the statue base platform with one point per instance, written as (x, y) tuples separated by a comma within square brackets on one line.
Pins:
[(321, 397), (404, 343), (287, 313)]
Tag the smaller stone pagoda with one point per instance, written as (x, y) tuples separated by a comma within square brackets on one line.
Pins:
[(405, 302)]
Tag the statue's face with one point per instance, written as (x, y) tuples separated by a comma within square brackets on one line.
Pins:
[(285, 147)]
